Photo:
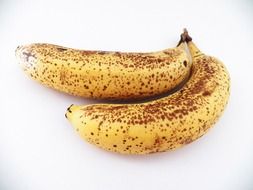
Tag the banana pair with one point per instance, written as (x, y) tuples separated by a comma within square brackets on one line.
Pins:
[(163, 124)]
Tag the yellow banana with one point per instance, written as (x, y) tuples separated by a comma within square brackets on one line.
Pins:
[(160, 125), (101, 74)]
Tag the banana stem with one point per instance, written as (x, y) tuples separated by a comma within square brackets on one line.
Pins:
[(186, 36), (194, 50), (182, 39)]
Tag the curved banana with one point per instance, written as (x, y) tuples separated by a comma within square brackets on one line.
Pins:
[(101, 74), (163, 124)]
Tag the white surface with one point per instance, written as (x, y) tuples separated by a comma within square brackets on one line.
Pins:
[(38, 148)]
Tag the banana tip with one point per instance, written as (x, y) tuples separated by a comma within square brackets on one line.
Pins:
[(17, 50), (69, 108), (69, 111)]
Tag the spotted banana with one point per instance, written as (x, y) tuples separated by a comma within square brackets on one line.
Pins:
[(104, 74), (160, 125)]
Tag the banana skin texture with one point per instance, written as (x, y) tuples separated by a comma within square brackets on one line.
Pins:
[(160, 125), (102, 74)]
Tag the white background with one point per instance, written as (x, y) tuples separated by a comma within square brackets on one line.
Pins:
[(39, 149)]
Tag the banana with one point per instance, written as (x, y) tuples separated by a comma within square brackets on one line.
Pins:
[(102, 74), (160, 125)]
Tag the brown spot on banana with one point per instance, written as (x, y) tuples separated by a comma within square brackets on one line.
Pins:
[(61, 49), (102, 74), (164, 124)]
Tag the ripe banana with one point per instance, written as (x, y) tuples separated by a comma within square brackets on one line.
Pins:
[(102, 74), (160, 125)]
